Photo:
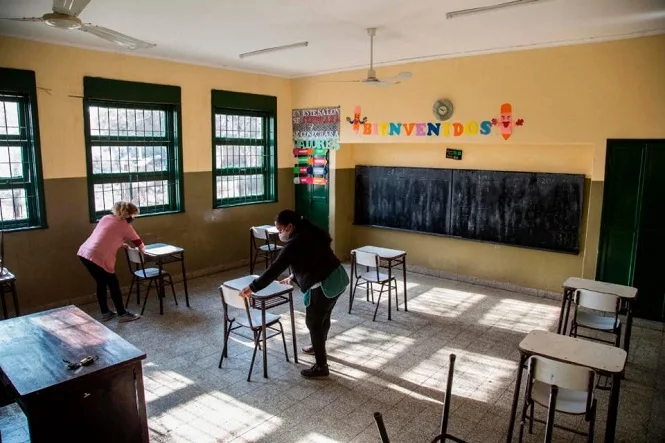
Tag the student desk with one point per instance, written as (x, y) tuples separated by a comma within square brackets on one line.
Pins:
[(603, 359), (161, 253), (390, 258), (276, 293), (101, 402), (627, 294)]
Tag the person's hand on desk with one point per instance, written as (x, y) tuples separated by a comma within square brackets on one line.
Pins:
[(287, 281), (246, 293)]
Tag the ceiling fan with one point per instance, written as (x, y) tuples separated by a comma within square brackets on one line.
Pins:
[(65, 16), (371, 78)]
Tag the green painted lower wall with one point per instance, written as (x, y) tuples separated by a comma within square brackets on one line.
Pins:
[(49, 273)]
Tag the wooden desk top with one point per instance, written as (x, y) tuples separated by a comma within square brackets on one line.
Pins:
[(382, 252), (596, 356), (625, 292), (32, 348), (161, 249), (272, 290)]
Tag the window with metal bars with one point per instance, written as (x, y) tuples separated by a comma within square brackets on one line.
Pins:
[(21, 184), (133, 155), (244, 149)]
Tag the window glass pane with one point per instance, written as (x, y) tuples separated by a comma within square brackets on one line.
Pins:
[(142, 193), (239, 157), (11, 162), (115, 122), (237, 186), (13, 204), (238, 126), (9, 118), (117, 159)]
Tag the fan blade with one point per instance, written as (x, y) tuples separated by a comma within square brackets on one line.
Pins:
[(24, 19), (116, 37), (69, 7), (402, 76), (341, 81)]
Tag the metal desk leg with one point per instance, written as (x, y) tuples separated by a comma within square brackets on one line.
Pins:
[(293, 328), (390, 277), (613, 409), (265, 340), (184, 277), (516, 395), (4, 302), (352, 293), (406, 309), (18, 313), (629, 326), (561, 327), (160, 289)]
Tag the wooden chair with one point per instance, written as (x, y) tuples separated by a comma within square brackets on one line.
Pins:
[(141, 275), (574, 394), (249, 318), (600, 302), (371, 277), (261, 245), (443, 435)]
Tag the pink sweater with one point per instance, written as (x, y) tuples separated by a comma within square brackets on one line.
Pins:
[(103, 244)]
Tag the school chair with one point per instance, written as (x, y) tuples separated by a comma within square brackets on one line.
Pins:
[(371, 277), (141, 275), (574, 394), (247, 317), (261, 245), (603, 304)]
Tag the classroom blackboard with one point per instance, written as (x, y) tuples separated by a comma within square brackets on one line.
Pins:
[(528, 209)]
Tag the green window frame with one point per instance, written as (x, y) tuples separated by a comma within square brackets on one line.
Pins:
[(244, 148), (133, 146), (21, 181)]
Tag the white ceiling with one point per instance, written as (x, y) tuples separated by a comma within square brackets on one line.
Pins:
[(215, 32)]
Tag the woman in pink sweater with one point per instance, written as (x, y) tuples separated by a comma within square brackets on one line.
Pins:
[(99, 251)]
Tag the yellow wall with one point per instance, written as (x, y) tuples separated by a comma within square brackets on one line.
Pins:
[(61, 69), (572, 99)]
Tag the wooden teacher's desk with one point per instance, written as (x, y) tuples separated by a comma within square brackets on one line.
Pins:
[(102, 402)]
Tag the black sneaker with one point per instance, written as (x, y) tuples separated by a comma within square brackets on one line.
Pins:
[(109, 315), (309, 350), (316, 371)]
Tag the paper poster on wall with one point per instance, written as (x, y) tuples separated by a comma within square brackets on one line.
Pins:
[(315, 133), (483, 127)]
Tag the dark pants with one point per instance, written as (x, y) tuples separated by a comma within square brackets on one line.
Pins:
[(104, 279), (317, 319)]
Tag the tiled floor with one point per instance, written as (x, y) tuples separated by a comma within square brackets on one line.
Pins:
[(398, 368)]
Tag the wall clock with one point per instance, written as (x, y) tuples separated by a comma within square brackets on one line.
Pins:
[(443, 109)]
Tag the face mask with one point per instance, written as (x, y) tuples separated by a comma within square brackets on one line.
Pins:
[(284, 236), (130, 220)]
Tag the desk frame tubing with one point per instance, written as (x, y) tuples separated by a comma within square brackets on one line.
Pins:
[(265, 340), (184, 277), (612, 409), (293, 328)]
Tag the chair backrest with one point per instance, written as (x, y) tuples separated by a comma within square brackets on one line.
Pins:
[(134, 256), (232, 297), (563, 375), (366, 259), (597, 300), (260, 233)]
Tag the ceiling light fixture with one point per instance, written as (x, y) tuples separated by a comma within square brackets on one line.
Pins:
[(480, 9), (275, 49)]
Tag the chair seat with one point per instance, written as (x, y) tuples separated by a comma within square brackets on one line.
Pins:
[(149, 273), (271, 319), (372, 277), (567, 401), (270, 248), (598, 322)]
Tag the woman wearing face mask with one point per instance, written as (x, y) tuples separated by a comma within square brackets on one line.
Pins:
[(317, 271), (99, 251)]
